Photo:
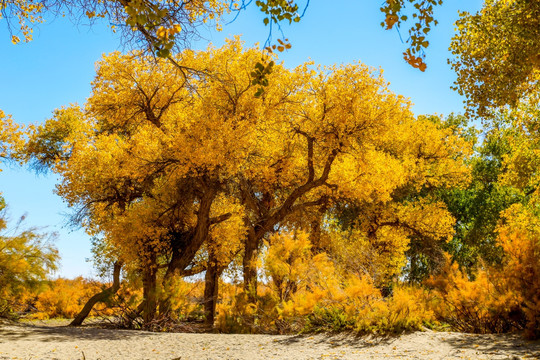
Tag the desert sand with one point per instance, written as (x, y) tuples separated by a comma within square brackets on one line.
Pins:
[(46, 340)]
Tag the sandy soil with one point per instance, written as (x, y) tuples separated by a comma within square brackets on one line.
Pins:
[(43, 340)]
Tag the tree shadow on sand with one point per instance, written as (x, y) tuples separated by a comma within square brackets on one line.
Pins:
[(48, 333), (337, 340), (493, 344), (507, 346)]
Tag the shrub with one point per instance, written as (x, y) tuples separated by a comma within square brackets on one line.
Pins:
[(519, 236), (307, 292), (483, 305), (65, 298)]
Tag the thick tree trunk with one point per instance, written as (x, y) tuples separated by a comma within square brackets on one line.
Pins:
[(315, 235), (186, 245), (101, 297), (185, 248), (211, 288), (150, 292), (250, 266)]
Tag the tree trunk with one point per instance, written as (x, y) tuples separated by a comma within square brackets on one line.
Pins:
[(211, 288), (101, 297), (150, 292), (315, 235), (250, 266)]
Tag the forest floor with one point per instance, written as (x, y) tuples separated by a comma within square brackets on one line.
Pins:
[(54, 340)]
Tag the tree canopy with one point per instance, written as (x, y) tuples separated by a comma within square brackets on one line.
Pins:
[(497, 55), (150, 163)]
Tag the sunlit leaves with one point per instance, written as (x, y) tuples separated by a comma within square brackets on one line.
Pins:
[(279, 10), (11, 138), (26, 258), (160, 25), (497, 54), (26, 13), (396, 13)]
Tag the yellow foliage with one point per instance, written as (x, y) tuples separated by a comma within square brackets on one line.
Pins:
[(65, 298), (519, 236), (482, 305), (11, 139), (185, 298), (496, 56), (139, 166)]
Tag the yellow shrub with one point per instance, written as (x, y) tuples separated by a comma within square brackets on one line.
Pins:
[(482, 305), (65, 298), (235, 314), (407, 309), (307, 292), (286, 262), (185, 298), (519, 237), (324, 299), (497, 300)]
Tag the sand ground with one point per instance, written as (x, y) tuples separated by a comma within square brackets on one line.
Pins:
[(45, 340)]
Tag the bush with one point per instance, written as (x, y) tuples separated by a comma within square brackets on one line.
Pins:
[(483, 305), (519, 236), (65, 298), (306, 292)]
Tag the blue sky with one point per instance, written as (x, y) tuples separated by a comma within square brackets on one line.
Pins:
[(56, 69)]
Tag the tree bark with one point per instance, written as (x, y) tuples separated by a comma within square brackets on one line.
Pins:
[(267, 218), (184, 251), (186, 245), (211, 288), (100, 297), (250, 266), (315, 235), (149, 292)]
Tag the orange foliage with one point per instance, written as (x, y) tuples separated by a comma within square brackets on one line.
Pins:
[(483, 305), (186, 298), (519, 236), (308, 292), (65, 298)]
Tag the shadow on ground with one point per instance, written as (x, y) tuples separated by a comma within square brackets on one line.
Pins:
[(508, 346), (56, 333), (337, 340), (513, 344)]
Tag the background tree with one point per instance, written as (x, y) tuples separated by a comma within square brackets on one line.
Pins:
[(497, 55), (415, 213), (477, 208), (26, 257)]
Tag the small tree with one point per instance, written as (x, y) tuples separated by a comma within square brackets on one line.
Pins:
[(26, 257)]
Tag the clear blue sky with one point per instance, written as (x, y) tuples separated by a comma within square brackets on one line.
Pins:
[(56, 69)]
